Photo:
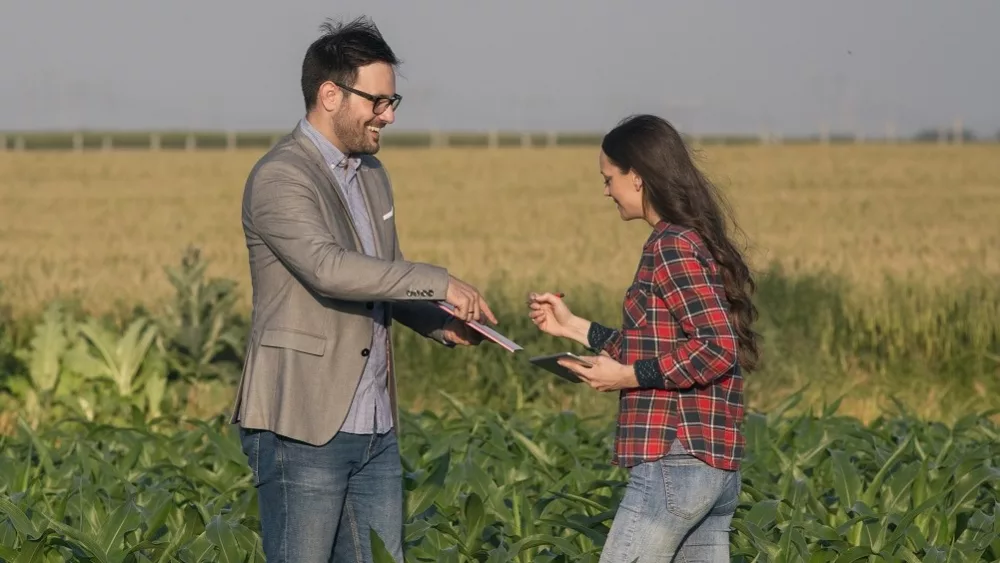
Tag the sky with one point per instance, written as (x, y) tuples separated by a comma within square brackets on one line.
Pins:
[(711, 66)]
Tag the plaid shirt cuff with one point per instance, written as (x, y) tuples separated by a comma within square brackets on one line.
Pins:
[(598, 335), (648, 374)]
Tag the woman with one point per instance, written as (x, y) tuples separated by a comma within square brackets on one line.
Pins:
[(679, 358)]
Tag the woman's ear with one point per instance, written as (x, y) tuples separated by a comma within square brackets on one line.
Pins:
[(636, 181)]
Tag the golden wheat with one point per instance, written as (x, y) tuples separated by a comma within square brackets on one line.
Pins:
[(102, 226)]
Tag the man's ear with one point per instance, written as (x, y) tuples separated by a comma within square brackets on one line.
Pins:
[(328, 96)]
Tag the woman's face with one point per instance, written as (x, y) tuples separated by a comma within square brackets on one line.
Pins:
[(624, 188)]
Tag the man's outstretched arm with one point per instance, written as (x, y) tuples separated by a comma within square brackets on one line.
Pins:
[(424, 318), (284, 212)]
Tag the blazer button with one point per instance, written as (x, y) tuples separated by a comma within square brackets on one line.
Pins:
[(364, 352), (369, 305)]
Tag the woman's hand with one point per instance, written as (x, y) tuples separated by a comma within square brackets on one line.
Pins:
[(551, 315), (605, 375)]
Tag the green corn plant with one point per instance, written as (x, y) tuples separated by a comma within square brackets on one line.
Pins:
[(55, 366), (134, 369), (43, 361), (198, 335)]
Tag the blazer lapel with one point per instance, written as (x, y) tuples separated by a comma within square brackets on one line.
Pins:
[(316, 158)]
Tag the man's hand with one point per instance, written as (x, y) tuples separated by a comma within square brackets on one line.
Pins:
[(469, 304), (457, 332)]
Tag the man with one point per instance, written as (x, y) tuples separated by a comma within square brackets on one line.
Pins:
[(316, 402)]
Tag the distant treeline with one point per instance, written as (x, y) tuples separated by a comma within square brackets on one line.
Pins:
[(198, 140)]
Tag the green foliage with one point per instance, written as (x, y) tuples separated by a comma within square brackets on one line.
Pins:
[(106, 459), (481, 486), (70, 366), (200, 335), (938, 353)]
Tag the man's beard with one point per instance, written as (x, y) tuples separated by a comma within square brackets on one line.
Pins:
[(354, 136)]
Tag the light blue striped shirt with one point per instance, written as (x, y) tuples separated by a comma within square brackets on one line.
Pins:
[(370, 410)]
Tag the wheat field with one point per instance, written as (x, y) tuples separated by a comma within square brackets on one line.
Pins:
[(101, 226)]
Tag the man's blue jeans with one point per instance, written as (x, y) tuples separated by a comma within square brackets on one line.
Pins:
[(674, 506), (317, 504)]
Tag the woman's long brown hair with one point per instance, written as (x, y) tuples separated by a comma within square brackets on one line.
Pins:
[(680, 194)]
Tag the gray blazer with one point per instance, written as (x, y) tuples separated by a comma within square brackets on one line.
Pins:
[(310, 329)]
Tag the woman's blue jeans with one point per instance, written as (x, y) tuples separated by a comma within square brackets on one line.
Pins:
[(677, 508)]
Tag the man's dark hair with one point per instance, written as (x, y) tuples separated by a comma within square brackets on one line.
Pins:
[(338, 53)]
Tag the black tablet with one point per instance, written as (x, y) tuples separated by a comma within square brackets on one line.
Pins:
[(550, 364)]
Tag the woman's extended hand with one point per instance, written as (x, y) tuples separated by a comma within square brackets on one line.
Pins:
[(550, 314)]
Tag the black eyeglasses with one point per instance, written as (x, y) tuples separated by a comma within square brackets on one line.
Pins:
[(379, 103)]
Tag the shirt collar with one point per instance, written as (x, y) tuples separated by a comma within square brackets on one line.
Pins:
[(331, 154), (657, 232)]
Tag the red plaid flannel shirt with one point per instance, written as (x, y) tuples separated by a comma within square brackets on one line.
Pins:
[(677, 334)]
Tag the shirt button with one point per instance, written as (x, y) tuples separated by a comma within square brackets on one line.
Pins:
[(364, 352)]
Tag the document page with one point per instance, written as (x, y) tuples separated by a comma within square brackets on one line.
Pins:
[(485, 330)]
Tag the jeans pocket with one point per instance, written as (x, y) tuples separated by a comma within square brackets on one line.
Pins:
[(692, 486)]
